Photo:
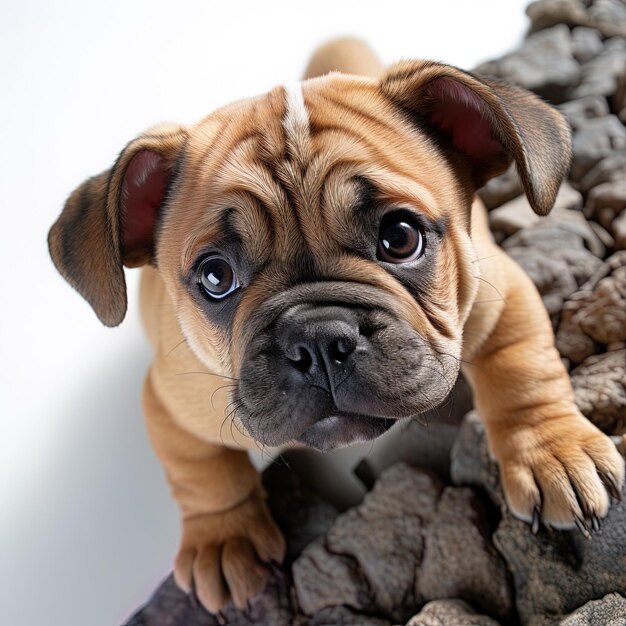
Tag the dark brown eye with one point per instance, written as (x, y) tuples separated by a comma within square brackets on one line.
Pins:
[(216, 277), (399, 239)]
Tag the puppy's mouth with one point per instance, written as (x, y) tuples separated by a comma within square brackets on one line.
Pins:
[(341, 429)]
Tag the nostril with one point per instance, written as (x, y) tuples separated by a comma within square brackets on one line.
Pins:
[(302, 359), (340, 349)]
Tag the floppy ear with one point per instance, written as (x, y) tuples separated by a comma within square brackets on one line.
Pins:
[(490, 123), (110, 220)]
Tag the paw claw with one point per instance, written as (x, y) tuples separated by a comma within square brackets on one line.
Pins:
[(582, 527), (595, 521), (536, 519)]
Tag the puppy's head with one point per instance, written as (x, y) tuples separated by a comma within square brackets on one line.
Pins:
[(315, 241)]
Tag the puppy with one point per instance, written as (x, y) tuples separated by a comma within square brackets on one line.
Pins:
[(318, 267)]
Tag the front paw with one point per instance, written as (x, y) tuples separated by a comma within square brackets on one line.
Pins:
[(222, 555), (560, 471)]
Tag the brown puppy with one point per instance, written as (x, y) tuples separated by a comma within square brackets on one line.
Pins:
[(318, 252)]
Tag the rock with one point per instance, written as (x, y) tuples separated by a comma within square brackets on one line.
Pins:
[(369, 557), (501, 189), (169, 606), (513, 216), (449, 613), (343, 616), (608, 611), (555, 572), (603, 74), (609, 16), (301, 514), (471, 463), (600, 390), (577, 111), (595, 139), (459, 558), (586, 43), (609, 169), (544, 64), (605, 204), (547, 13), (554, 254), (596, 314), (517, 214), (619, 231), (385, 556)]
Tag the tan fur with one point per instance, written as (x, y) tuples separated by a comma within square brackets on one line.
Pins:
[(287, 189)]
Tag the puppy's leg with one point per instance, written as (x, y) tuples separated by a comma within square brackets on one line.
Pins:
[(227, 530), (553, 462)]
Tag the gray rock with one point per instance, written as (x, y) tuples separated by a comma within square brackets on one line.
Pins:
[(603, 74), (608, 611), (605, 203), (609, 16), (501, 189), (600, 390), (595, 315), (544, 64), (369, 557), (577, 111), (547, 13), (619, 231), (609, 169), (408, 542), (169, 606), (554, 255), (343, 616), (517, 214), (595, 139), (301, 514), (555, 572), (449, 613), (459, 558), (586, 43), (471, 463)]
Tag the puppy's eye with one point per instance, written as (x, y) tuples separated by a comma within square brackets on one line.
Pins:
[(216, 277), (399, 239)]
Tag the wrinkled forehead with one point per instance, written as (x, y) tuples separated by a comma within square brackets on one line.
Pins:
[(293, 161)]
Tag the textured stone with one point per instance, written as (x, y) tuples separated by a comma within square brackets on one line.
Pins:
[(609, 16), (501, 189), (343, 616), (555, 572), (577, 111), (169, 606), (301, 514), (619, 231), (544, 64), (547, 13), (596, 314), (586, 43), (611, 168), (600, 389), (595, 139), (450, 613), (605, 204), (369, 556), (602, 75), (459, 558), (554, 255), (608, 611)]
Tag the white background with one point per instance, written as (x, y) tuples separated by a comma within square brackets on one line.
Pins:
[(87, 528)]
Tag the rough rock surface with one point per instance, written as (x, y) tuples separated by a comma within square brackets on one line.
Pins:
[(445, 551), (449, 613)]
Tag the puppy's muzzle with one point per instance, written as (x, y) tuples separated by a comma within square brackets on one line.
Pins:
[(320, 343)]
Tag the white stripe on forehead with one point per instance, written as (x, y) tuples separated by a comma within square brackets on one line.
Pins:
[(296, 122)]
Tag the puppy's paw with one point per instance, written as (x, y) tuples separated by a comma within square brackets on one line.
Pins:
[(222, 555), (560, 472)]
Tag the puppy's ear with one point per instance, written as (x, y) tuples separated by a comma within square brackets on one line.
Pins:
[(490, 123), (110, 220)]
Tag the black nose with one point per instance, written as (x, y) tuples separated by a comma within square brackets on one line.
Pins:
[(318, 339)]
